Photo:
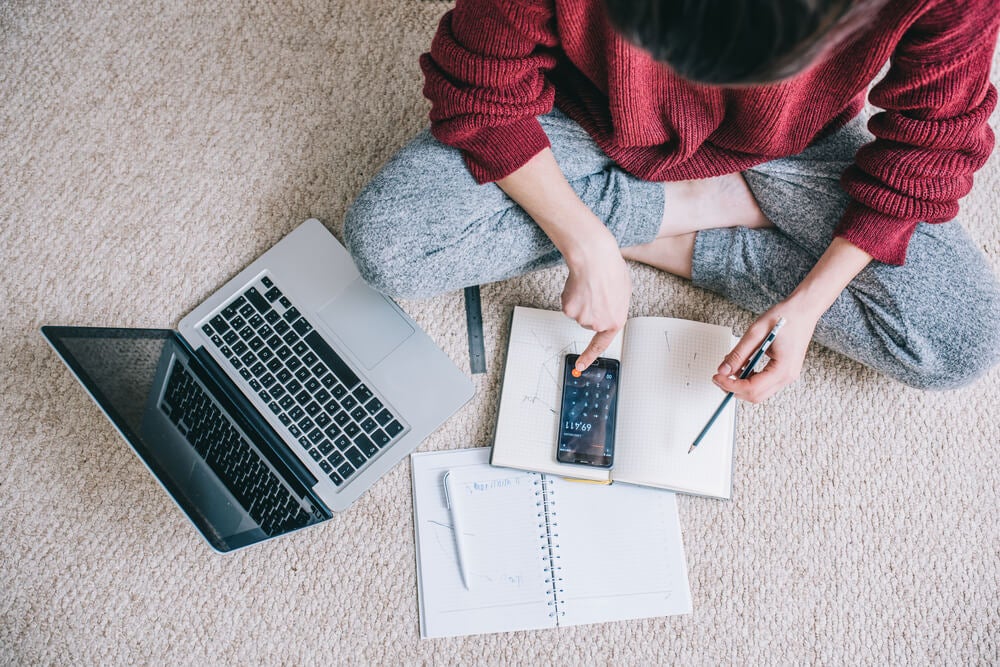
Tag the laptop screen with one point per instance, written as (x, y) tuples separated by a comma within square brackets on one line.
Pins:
[(144, 382)]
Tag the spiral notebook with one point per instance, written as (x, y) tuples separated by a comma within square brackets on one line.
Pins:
[(540, 551)]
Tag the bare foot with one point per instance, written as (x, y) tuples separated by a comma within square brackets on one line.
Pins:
[(691, 206)]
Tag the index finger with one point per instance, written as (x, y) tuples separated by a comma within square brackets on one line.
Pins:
[(756, 388), (597, 345)]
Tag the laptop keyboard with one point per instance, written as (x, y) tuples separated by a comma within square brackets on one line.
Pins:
[(230, 456), (313, 393)]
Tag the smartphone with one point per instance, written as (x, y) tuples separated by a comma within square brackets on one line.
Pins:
[(588, 414)]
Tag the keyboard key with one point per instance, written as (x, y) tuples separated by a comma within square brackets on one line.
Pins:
[(336, 478), (296, 413), (303, 374), (326, 447), (359, 413), (284, 419), (284, 375), (247, 332), (331, 359), (265, 354), (355, 456), (281, 327), (316, 436), (369, 425), (256, 321), (345, 470), (259, 302), (238, 322), (336, 458), (274, 342), (327, 468), (275, 408), (249, 358), (315, 453), (293, 386), (339, 391), (283, 352), (302, 397), (247, 311), (231, 337), (287, 402), (363, 393), (267, 281), (291, 315), (272, 316), (309, 358), (322, 419), (366, 446), (265, 332), (293, 363), (300, 348), (383, 417), (229, 312), (348, 402), (373, 406), (268, 380), (322, 395), (342, 443), (290, 338), (351, 429), (294, 430), (312, 408), (312, 384), (255, 343), (328, 380), (240, 347), (277, 391), (302, 326), (341, 418), (255, 385), (381, 438), (264, 395), (332, 431), (220, 324), (285, 302), (272, 294), (258, 369), (226, 351), (306, 424), (394, 428)]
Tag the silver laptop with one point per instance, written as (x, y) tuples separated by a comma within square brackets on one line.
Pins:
[(279, 400)]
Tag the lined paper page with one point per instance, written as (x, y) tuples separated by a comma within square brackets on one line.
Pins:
[(667, 396), (620, 552), (528, 421), (507, 572)]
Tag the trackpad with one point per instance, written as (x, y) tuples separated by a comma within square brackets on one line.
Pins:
[(366, 322)]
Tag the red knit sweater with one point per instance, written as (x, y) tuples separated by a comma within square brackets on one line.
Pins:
[(495, 65)]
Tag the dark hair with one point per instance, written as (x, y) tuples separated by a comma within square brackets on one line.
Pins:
[(737, 41)]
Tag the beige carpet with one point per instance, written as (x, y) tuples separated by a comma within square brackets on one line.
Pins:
[(148, 153)]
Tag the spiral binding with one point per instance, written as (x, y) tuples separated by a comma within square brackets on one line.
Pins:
[(548, 527)]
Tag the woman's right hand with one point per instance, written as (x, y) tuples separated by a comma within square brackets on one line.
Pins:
[(598, 290), (599, 287)]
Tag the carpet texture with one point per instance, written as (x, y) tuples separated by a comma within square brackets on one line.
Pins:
[(150, 151)]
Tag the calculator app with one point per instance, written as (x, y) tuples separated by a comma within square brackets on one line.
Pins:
[(589, 405)]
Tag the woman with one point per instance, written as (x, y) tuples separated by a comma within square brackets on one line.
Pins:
[(719, 140)]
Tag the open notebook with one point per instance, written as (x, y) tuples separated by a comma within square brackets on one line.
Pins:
[(665, 397), (541, 552)]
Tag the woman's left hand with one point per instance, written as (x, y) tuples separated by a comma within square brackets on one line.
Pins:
[(787, 353)]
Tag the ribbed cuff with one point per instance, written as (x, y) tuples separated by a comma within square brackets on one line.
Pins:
[(882, 236), (710, 259), (492, 153)]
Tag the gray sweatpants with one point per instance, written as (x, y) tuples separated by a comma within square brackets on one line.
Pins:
[(423, 226)]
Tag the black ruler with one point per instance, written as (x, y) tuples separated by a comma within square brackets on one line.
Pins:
[(474, 326)]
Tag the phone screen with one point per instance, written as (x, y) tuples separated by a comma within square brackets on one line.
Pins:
[(587, 417)]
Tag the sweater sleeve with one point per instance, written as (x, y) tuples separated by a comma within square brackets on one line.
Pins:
[(485, 78), (933, 133)]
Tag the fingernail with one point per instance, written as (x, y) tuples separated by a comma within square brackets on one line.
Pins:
[(725, 369)]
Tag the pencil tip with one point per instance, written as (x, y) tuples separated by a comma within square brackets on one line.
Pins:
[(690, 449)]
